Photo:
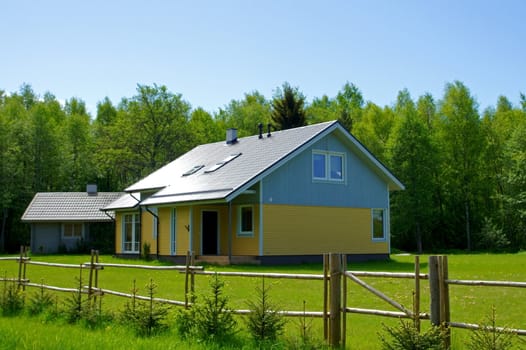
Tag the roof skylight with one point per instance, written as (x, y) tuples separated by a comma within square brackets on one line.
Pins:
[(222, 163), (194, 170)]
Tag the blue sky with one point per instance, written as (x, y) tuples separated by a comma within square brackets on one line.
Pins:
[(214, 51)]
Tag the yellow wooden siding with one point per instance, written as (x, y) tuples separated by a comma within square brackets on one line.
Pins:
[(182, 221), (147, 231), (118, 233), (164, 230), (301, 230)]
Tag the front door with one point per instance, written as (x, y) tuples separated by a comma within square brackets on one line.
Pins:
[(209, 232)]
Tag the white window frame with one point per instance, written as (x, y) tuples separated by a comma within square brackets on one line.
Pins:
[(240, 232), (384, 224), (135, 243), (327, 155), (73, 236)]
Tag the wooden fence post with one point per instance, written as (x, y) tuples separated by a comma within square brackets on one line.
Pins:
[(438, 274), (326, 297), (335, 300), (344, 301), (20, 263), (416, 301), (187, 272), (444, 299), (90, 284), (434, 290)]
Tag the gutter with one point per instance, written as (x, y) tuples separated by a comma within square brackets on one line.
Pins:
[(156, 229)]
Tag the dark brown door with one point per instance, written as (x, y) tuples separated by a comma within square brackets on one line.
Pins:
[(209, 227)]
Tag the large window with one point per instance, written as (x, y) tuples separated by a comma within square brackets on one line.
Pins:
[(378, 224), (246, 221), (131, 232), (72, 230), (328, 166)]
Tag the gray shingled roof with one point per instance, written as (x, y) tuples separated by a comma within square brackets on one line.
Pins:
[(69, 206), (258, 158)]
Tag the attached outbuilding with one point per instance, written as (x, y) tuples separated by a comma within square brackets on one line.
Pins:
[(70, 221), (276, 197)]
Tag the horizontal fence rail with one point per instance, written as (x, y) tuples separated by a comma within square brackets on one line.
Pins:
[(334, 291)]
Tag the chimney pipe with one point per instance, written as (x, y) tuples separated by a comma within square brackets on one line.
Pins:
[(91, 189), (268, 130), (231, 136), (260, 127)]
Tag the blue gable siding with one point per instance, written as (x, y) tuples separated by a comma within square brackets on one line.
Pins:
[(292, 183)]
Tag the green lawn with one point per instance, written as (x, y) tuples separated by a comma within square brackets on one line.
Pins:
[(468, 304)]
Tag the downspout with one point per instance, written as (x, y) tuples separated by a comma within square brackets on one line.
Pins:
[(140, 219), (156, 229)]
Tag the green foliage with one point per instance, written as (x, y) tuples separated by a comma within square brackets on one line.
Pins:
[(40, 301), (288, 108), (75, 304), (264, 322), (491, 237), (146, 251), (306, 339), (209, 319), (12, 299), (407, 337), (489, 337), (147, 318)]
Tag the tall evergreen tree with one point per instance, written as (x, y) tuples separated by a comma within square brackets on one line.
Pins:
[(288, 108)]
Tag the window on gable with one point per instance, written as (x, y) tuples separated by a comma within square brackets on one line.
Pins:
[(72, 230), (246, 220), (378, 224), (328, 166)]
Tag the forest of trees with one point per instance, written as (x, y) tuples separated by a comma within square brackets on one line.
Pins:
[(464, 169)]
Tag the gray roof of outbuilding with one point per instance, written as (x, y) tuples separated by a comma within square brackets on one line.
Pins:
[(69, 206), (259, 156)]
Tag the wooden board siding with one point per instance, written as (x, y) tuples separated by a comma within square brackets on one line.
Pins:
[(147, 231), (182, 221), (302, 230), (164, 232), (118, 233)]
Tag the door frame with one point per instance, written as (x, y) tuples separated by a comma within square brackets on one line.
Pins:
[(217, 230)]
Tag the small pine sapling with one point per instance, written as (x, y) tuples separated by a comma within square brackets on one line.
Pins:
[(264, 322)]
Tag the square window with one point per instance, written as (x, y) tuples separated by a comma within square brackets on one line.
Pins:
[(318, 166), (72, 230), (246, 221), (336, 167), (378, 224)]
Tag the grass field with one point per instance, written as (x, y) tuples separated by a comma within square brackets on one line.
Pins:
[(468, 304)]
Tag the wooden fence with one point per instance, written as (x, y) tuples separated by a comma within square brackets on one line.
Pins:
[(335, 279)]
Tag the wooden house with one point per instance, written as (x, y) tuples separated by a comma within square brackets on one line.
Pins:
[(275, 197), (68, 221)]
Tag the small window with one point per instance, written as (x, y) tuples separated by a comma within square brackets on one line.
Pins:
[(336, 166), (246, 221), (222, 163), (194, 170), (318, 166), (328, 166), (378, 224), (73, 230)]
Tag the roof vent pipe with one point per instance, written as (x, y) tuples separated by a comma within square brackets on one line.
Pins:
[(268, 130), (91, 189), (231, 136), (260, 127)]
